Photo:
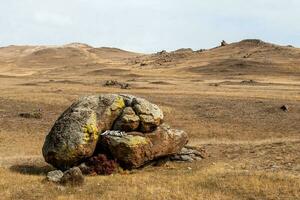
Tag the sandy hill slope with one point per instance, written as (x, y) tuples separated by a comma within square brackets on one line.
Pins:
[(15, 60), (247, 57)]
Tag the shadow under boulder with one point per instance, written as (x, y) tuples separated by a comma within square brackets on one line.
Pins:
[(31, 169)]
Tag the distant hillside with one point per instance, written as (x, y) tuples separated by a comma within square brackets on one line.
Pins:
[(250, 57), (16, 59), (246, 57)]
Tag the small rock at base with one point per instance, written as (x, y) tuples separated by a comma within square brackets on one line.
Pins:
[(55, 176), (84, 168), (197, 158), (72, 177), (187, 158)]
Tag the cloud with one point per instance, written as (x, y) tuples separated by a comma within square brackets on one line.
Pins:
[(148, 26), (52, 18)]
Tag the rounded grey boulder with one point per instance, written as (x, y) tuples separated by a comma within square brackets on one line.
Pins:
[(75, 134)]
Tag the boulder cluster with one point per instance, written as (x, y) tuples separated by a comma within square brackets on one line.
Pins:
[(126, 129)]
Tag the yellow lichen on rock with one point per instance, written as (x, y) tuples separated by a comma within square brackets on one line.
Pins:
[(118, 103), (134, 141), (90, 130)]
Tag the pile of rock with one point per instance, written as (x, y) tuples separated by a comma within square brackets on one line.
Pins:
[(189, 154), (72, 177), (115, 83), (32, 115), (124, 128)]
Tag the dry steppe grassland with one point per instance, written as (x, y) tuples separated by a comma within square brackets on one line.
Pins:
[(228, 99)]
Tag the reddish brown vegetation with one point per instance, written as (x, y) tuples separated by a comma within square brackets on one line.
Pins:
[(101, 165)]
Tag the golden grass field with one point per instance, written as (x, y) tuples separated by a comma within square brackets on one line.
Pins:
[(252, 145)]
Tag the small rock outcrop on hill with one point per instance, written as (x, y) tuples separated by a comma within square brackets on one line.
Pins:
[(122, 128), (223, 43), (33, 114), (164, 58), (285, 108)]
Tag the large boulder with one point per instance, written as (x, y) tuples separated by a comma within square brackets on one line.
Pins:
[(75, 134), (135, 149)]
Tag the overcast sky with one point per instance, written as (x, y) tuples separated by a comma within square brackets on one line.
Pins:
[(148, 25)]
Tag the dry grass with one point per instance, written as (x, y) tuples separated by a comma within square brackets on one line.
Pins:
[(253, 146), (217, 181)]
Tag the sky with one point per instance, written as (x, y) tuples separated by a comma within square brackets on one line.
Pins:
[(148, 26)]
